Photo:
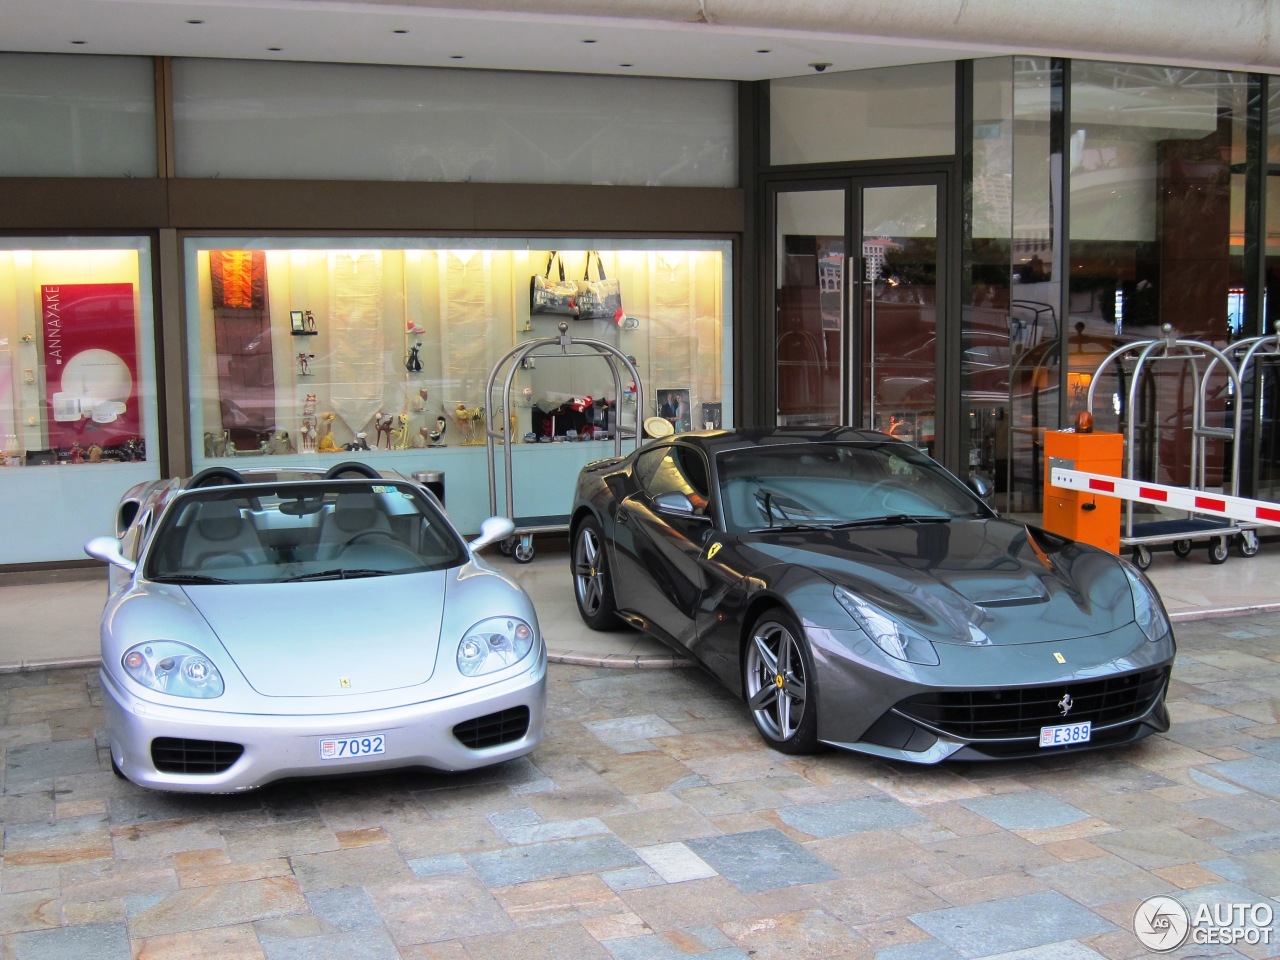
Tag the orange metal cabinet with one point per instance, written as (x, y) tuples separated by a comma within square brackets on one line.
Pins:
[(1083, 516)]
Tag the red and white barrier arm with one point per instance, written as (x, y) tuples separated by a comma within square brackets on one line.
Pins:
[(1180, 498)]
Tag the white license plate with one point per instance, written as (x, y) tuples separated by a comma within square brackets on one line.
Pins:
[(340, 748), (1066, 734)]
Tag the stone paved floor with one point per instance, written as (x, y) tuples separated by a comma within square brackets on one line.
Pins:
[(652, 824)]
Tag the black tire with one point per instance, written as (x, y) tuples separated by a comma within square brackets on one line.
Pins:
[(116, 769), (1141, 557), (1247, 545), (592, 579), (778, 681), (1182, 548), (1218, 551)]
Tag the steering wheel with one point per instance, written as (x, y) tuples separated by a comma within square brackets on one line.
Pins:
[(216, 476), (352, 466)]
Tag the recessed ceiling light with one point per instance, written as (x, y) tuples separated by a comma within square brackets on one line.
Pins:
[(588, 41), (275, 49), (456, 56), (399, 31), (195, 23), (626, 64), (764, 50), (78, 42)]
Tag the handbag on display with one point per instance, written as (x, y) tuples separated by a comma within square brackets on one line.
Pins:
[(551, 296), (601, 298)]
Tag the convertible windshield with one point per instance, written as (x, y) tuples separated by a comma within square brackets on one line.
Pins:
[(837, 485), (317, 530)]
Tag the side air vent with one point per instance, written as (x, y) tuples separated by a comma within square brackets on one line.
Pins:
[(493, 729), (173, 755)]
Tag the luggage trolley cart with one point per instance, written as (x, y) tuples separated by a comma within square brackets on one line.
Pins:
[(1169, 350), (1246, 353), (520, 544)]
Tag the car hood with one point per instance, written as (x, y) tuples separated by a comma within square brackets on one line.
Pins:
[(973, 582), (299, 641)]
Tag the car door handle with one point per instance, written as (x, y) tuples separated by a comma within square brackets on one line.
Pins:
[(622, 517)]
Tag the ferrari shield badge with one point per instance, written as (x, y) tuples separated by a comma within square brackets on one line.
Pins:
[(713, 550)]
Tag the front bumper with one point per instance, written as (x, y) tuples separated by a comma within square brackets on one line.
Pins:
[(282, 746)]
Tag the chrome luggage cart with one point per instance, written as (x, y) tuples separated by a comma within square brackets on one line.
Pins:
[(520, 544), (1199, 359)]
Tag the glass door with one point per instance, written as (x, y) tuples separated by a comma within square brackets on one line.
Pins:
[(899, 343), (858, 337)]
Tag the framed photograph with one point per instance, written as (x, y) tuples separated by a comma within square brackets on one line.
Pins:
[(712, 416), (297, 322), (673, 406)]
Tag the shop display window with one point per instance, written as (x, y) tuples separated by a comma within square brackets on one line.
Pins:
[(308, 348), (75, 354)]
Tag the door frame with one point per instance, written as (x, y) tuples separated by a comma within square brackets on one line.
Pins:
[(852, 179)]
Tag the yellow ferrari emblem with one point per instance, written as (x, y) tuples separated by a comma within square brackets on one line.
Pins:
[(344, 682), (1059, 657), (713, 550), (780, 681)]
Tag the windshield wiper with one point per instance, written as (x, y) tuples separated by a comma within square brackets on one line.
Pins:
[(892, 518), (791, 527), (188, 578), (337, 574)]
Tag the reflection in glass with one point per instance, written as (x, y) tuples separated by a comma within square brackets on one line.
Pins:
[(809, 300), (1156, 221)]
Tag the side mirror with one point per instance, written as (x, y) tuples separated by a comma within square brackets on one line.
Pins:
[(491, 531), (677, 505), (979, 485), (107, 549)]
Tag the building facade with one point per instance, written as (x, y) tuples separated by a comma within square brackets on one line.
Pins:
[(213, 262)]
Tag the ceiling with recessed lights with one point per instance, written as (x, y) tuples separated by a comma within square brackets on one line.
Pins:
[(715, 39)]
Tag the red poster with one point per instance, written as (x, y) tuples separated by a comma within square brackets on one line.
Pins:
[(90, 364)]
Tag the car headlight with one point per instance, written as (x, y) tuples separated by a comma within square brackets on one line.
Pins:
[(1147, 609), (493, 644), (174, 668), (894, 638)]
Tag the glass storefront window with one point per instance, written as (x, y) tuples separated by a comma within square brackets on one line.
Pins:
[(1010, 342), (1156, 225), (77, 389), (309, 351)]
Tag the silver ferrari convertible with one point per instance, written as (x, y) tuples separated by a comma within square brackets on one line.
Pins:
[(272, 624), (856, 594)]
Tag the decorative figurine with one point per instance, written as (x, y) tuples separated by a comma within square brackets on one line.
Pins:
[(383, 423), (399, 438), (413, 363), (304, 364), (422, 439), (76, 454), (310, 322), (308, 430), (95, 453), (437, 435), (361, 442), (327, 444), (419, 403)]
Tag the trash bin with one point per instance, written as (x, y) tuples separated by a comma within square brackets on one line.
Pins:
[(433, 480)]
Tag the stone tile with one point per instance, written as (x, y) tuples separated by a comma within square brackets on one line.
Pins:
[(33, 762), (671, 906), (1002, 926), (1027, 810), (375, 944), (93, 941), (663, 824), (675, 862), (370, 865), (631, 878), (548, 903), (459, 905), (544, 943), (279, 839), (345, 908), (540, 861), (622, 729), (29, 910), (164, 838), (525, 826), (435, 866), (841, 817), (224, 943), (1156, 847), (211, 874), (200, 908), (761, 860), (1260, 775)]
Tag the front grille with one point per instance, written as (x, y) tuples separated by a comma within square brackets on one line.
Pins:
[(175, 755), (493, 729), (1020, 712)]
